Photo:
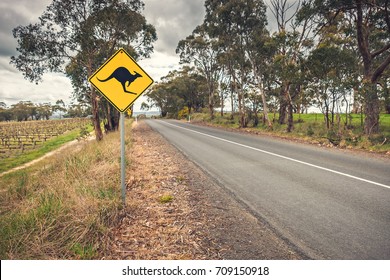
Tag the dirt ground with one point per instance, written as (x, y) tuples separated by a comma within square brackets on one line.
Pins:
[(175, 211)]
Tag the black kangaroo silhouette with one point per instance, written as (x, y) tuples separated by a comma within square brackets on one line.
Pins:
[(122, 75)]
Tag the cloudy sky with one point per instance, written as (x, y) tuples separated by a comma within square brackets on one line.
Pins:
[(173, 20)]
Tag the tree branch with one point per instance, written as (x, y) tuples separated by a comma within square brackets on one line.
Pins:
[(382, 50), (379, 71), (361, 38)]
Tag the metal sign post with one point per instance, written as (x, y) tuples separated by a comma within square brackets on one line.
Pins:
[(123, 158), (121, 81)]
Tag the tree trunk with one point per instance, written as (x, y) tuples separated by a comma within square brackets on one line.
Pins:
[(222, 104), (263, 98), (211, 109), (241, 110), (211, 100), (284, 102), (95, 107), (290, 122), (371, 109), (232, 102), (386, 92), (95, 115), (356, 104), (110, 126), (211, 105), (265, 108), (371, 101), (282, 106)]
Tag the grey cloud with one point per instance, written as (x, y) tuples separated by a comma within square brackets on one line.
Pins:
[(8, 20), (174, 20), (5, 65), (14, 14)]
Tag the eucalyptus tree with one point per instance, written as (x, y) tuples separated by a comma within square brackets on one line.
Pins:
[(193, 88), (260, 51), (76, 36), (202, 51), (179, 89), (59, 107), (330, 69), (160, 96), (23, 110), (44, 111), (238, 24), (292, 42), (370, 20)]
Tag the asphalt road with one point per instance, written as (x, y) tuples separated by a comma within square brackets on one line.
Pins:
[(329, 203)]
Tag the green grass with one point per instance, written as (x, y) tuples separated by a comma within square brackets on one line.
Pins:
[(166, 198), (311, 127), (48, 146)]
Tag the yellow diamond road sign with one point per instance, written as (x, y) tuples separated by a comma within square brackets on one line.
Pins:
[(121, 80)]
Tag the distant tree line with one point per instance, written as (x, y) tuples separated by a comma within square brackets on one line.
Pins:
[(332, 55), (27, 110)]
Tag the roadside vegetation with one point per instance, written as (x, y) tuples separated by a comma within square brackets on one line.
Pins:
[(312, 128), (63, 206), (323, 56)]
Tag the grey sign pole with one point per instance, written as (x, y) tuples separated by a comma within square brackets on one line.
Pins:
[(123, 159)]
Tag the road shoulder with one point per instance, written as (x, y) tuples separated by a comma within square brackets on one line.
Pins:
[(210, 223)]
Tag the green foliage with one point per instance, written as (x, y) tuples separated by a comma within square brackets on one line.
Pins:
[(179, 89), (358, 27), (21, 187), (83, 252), (183, 113), (310, 131), (84, 133)]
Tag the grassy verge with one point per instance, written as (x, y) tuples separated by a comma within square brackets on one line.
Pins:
[(312, 128), (63, 206), (48, 146)]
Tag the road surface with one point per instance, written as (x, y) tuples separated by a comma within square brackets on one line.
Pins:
[(329, 203)]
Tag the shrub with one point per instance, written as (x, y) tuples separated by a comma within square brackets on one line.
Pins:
[(183, 113)]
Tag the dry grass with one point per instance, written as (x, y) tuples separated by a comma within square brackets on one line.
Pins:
[(62, 207), (160, 221), (69, 206)]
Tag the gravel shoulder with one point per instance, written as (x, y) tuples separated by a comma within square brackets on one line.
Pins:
[(176, 211)]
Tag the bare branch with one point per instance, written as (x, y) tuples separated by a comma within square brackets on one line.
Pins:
[(379, 71), (382, 50)]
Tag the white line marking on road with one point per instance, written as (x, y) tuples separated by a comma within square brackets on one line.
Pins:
[(283, 157)]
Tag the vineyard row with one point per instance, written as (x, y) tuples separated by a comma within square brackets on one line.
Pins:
[(16, 137)]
